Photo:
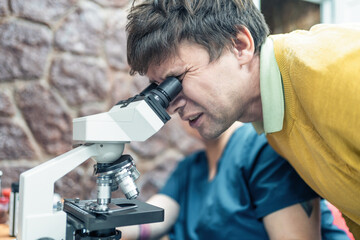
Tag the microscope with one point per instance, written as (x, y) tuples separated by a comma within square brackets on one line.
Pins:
[(101, 137)]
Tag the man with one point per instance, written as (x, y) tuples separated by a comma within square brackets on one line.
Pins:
[(302, 89), (237, 186)]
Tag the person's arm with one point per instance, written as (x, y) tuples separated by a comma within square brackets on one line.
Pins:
[(154, 230), (288, 207), (299, 221)]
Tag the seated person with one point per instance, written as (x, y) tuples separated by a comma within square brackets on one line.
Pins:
[(238, 187)]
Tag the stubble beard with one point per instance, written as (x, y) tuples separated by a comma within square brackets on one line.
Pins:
[(215, 127)]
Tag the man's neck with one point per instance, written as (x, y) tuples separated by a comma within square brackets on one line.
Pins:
[(253, 110)]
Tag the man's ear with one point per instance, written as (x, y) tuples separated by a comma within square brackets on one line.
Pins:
[(244, 47)]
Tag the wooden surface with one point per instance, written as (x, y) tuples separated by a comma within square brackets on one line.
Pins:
[(4, 232)]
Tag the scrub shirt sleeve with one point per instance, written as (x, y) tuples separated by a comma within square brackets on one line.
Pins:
[(274, 184)]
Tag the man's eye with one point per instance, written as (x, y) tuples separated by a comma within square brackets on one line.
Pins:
[(180, 77)]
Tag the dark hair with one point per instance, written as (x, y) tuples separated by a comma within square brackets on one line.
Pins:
[(156, 27)]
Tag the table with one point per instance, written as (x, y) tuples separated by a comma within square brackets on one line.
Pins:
[(4, 232)]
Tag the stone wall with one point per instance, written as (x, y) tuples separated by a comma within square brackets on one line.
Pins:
[(61, 59)]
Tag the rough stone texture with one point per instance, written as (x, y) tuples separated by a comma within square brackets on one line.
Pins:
[(181, 139), (24, 49), (153, 146), (4, 8), (89, 110), (72, 184), (140, 82), (88, 181), (122, 88), (14, 143), (115, 41), (82, 31), (11, 174), (6, 107), (112, 3), (170, 135), (125, 86), (46, 11), (79, 80), (48, 121), (153, 180)]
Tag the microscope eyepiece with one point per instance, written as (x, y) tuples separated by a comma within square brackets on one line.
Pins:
[(165, 92), (171, 87), (158, 97)]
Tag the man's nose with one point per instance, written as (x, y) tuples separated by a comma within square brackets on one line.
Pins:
[(176, 104)]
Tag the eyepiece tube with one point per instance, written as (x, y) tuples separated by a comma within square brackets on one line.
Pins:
[(171, 86), (163, 93), (167, 91)]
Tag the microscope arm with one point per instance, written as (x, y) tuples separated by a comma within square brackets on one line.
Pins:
[(37, 190)]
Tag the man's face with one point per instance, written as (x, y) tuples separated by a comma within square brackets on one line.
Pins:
[(214, 94)]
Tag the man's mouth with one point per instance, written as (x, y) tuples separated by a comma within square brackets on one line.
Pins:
[(194, 120)]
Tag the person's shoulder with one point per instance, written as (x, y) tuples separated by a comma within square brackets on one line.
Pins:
[(246, 146), (247, 142), (247, 135), (191, 159), (315, 45), (186, 165)]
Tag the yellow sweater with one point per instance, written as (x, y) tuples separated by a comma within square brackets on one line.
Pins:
[(320, 70)]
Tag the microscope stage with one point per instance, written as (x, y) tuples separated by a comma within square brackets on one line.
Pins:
[(134, 212)]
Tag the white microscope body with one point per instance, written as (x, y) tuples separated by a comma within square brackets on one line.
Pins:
[(103, 136)]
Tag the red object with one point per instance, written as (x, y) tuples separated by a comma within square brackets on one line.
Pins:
[(4, 207), (6, 192), (339, 221)]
